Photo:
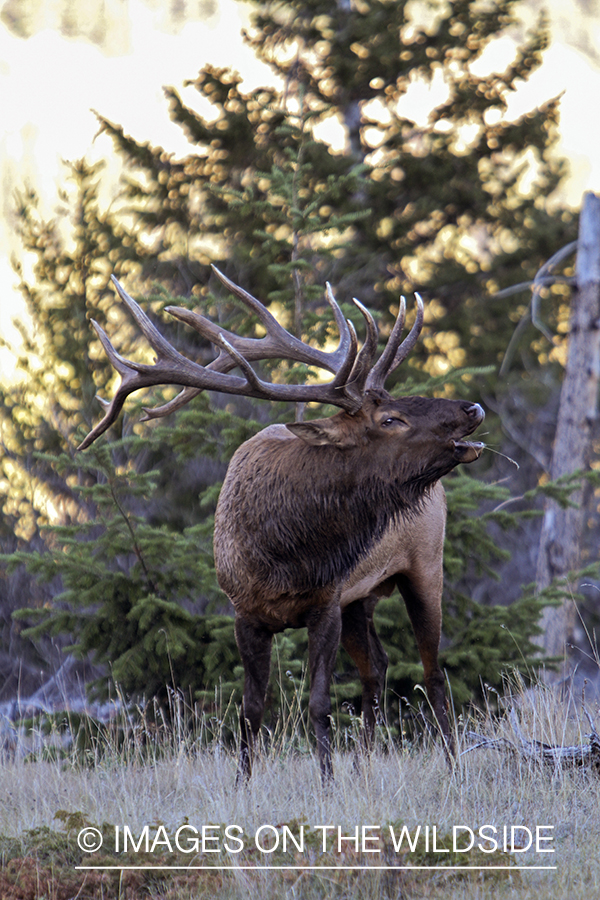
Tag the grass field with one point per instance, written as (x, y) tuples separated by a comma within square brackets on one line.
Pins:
[(165, 798)]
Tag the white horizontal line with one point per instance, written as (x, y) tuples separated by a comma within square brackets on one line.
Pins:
[(312, 868)]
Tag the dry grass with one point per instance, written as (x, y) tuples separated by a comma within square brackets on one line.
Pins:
[(172, 779)]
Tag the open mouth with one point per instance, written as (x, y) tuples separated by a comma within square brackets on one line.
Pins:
[(468, 451)]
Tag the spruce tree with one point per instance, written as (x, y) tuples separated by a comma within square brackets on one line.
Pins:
[(452, 214), (401, 207), (128, 589), (62, 362)]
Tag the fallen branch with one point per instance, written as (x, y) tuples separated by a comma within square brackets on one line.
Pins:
[(584, 756)]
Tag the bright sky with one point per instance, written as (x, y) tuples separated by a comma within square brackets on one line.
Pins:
[(124, 82), (41, 72)]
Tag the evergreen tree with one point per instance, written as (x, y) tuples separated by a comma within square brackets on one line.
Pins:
[(458, 204), (452, 211), (127, 588), (62, 361), (439, 208)]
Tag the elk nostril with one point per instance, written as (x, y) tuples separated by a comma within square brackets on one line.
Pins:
[(475, 411)]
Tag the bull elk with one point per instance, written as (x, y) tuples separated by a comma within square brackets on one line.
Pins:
[(318, 520)]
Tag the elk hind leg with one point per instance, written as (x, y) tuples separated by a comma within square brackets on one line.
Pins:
[(361, 642), (254, 644)]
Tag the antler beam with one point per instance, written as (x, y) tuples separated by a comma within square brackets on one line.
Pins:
[(352, 370)]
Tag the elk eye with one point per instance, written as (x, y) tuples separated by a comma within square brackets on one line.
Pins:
[(392, 420)]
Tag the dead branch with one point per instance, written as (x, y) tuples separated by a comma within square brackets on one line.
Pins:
[(541, 279), (586, 756)]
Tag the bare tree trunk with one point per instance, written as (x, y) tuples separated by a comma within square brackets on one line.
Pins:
[(559, 550)]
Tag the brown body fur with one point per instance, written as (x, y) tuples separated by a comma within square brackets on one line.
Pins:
[(317, 521)]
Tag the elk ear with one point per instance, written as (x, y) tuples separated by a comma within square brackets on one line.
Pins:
[(320, 432)]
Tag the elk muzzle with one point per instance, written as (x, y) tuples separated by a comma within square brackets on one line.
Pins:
[(469, 451)]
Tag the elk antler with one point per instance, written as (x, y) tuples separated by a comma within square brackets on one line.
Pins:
[(352, 370), (276, 344), (393, 354)]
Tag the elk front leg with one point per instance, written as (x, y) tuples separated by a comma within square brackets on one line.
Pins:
[(254, 644), (423, 599), (361, 642), (324, 626)]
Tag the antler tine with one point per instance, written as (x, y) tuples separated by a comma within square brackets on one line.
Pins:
[(344, 326), (343, 375), (412, 337), (277, 336), (181, 400), (393, 354), (364, 361), (154, 337), (251, 302), (380, 370), (130, 381)]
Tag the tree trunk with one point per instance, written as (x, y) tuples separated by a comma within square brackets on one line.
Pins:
[(559, 550)]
